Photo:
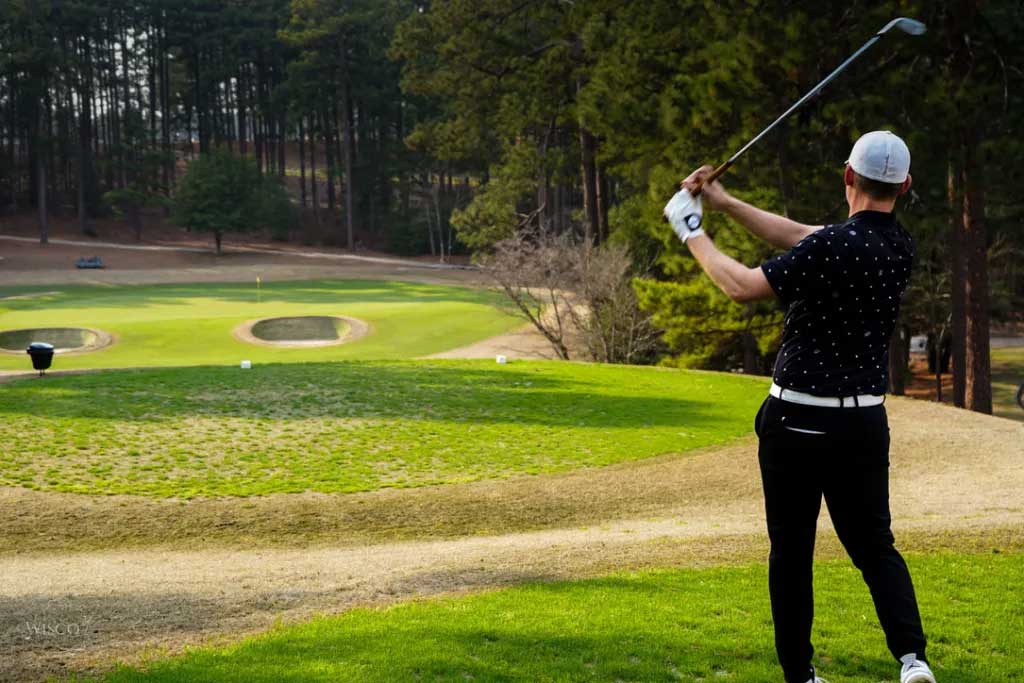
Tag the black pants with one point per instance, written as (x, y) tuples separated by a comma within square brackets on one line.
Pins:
[(842, 453)]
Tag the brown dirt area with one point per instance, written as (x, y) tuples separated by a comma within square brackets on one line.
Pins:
[(30, 263), (140, 576)]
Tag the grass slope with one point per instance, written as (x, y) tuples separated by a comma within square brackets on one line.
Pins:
[(353, 426), (169, 325), (661, 626)]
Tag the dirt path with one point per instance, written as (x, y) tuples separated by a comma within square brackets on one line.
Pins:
[(29, 263), (303, 253), (956, 480), (524, 343)]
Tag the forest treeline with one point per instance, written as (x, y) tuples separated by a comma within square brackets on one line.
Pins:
[(435, 127)]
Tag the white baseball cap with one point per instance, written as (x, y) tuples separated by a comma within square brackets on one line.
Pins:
[(881, 155)]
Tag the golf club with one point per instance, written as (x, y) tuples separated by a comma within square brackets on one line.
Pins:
[(905, 24)]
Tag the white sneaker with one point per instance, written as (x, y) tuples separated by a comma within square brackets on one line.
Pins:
[(817, 679), (914, 670)]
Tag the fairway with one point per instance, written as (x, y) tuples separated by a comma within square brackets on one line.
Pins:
[(174, 325), (662, 626), (354, 426)]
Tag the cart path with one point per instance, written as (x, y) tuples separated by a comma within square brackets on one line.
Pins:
[(525, 343), (302, 253), (26, 262), (957, 479)]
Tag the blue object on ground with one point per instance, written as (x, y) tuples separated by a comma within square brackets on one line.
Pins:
[(92, 262)]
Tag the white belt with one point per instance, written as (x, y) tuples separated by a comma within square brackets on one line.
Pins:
[(862, 401)]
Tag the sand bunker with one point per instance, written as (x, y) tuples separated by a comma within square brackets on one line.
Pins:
[(64, 339), (301, 331)]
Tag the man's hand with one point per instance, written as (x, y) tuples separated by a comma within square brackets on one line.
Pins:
[(685, 214), (714, 195)]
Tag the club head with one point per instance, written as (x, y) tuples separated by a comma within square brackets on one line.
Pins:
[(905, 24)]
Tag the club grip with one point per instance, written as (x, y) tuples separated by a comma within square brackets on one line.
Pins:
[(712, 178)]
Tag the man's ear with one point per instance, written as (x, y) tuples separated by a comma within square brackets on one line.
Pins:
[(848, 176), (906, 184)]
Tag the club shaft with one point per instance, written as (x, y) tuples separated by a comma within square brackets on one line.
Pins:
[(915, 28), (814, 91)]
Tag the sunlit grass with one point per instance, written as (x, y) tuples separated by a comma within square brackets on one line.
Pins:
[(353, 426), (656, 627), (172, 325)]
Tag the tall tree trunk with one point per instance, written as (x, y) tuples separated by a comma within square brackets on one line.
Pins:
[(302, 160), (44, 219), (403, 177), (978, 391), (87, 191), (200, 104), (327, 126), (591, 223), (53, 192), (151, 65), (961, 19), (129, 141), (602, 201), (315, 192), (958, 284), (256, 115), (898, 345), (12, 155), (282, 137), (240, 101), (350, 142), (168, 166)]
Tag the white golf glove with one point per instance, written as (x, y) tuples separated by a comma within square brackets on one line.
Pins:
[(685, 214)]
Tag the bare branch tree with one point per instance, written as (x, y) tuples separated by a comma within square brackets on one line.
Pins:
[(537, 280), (579, 297), (606, 315)]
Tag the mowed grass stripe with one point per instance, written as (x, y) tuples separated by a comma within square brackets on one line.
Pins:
[(354, 426), (657, 627), (175, 325)]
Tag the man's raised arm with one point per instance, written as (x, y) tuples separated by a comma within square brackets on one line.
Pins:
[(777, 230), (740, 283)]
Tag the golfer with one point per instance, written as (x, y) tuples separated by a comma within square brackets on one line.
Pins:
[(823, 429)]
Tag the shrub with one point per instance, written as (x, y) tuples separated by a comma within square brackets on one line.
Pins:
[(223, 193)]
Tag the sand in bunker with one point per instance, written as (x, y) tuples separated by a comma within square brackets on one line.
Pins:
[(956, 476)]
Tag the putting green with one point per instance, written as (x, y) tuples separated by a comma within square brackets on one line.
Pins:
[(173, 325), (354, 425)]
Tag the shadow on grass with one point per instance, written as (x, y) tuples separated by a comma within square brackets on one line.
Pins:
[(552, 395)]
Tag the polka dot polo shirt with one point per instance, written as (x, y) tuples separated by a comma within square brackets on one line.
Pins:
[(841, 287)]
